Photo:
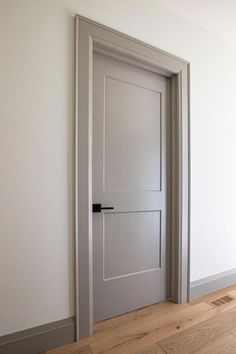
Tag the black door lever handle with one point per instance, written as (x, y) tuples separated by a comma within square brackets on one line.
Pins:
[(97, 208)]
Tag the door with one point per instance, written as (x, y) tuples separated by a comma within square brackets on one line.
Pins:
[(130, 119)]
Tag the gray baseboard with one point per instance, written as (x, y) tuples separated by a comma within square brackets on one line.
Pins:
[(213, 283), (39, 339)]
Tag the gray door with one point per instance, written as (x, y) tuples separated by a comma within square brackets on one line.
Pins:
[(130, 174)]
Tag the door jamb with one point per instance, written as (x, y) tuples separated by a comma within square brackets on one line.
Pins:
[(90, 37)]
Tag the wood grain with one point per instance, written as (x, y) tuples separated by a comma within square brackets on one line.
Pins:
[(152, 329), (201, 335), (83, 350), (138, 316), (198, 327), (224, 345), (155, 349)]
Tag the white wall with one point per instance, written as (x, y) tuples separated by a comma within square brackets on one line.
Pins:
[(36, 144)]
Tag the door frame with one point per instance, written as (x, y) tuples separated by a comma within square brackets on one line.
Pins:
[(91, 37)]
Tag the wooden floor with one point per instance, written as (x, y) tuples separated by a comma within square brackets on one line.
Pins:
[(204, 326)]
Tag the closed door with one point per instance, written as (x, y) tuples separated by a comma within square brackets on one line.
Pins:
[(130, 117)]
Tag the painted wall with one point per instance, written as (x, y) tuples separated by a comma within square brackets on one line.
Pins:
[(36, 146)]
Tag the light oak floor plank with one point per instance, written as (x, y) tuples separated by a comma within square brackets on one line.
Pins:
[(141, 336), (224, 345), (165, 328), (138, 316), (83, 350), (155, 349), (201, 335)]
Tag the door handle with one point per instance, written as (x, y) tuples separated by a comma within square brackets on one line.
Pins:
[(97, 208)]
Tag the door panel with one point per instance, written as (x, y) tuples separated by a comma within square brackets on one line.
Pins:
[(130, 174), (128, 136), (135, 236)]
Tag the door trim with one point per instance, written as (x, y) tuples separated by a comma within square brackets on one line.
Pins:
[(90, 37)]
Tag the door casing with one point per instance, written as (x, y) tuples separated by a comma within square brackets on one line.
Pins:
[(91, 37)]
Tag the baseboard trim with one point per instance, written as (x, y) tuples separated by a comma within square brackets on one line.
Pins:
[(213, 283), (39, 339)]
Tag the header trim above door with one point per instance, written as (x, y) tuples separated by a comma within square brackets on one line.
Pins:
[(91, 37)]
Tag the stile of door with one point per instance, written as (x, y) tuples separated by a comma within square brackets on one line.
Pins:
[(130, 252)]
